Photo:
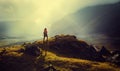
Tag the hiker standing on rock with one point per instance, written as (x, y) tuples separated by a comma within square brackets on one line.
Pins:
[(45, 41), (45, 33)]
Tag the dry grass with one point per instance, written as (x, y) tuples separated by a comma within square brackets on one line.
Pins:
[(30, 63), (73, 64)]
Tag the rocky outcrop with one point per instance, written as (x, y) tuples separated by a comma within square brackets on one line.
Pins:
[(115, 58), (104, 51), (70, 46), (32, 49)]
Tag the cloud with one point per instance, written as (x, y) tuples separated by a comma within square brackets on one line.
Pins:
[(31, 16)]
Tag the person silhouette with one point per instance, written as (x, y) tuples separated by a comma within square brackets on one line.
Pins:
[(45, 41), (45, 33)]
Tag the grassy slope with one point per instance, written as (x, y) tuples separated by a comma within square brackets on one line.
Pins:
[(21, 62), (72, 64)]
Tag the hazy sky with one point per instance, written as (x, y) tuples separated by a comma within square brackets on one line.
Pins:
[(31, 16)]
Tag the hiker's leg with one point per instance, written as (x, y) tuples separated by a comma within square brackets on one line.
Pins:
[(47, 38), (43, 39)]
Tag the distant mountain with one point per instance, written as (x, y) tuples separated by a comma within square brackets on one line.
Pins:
[(105, 19), (96, 19), (100, 19)]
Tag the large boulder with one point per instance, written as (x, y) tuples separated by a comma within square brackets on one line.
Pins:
[(104, 51), (32, 49), (95, 55), (116, 57)]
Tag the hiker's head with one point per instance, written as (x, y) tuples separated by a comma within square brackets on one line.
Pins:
[(45, 28)]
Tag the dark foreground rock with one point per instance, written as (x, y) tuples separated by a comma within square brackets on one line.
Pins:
[(32, 49)]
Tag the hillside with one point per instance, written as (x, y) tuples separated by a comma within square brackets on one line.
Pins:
[(33, 57)]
